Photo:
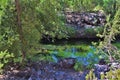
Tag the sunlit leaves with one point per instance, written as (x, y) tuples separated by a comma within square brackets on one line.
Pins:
[(5, 58), (3, 4)]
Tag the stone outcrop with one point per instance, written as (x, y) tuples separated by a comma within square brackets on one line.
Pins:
[(84, 19), (81, 21)]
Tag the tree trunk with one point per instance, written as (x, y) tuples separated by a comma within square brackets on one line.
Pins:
[(19, 28)]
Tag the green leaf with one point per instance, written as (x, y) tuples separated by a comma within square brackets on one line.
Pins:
[(1, 65)]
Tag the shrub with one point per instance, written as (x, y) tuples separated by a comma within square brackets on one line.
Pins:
[(5, 57)]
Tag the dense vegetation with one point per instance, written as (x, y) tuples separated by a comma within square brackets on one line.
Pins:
[(23, 23)]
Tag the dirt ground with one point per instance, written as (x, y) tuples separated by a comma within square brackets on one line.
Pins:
[(42, 71)]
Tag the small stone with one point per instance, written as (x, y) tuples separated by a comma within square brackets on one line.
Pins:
[(67, 62)]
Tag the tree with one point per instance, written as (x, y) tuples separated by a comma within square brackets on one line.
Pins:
[(34, 20), (20, 30), (111, 30)]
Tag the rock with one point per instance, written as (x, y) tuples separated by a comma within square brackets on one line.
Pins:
[(102, 62), (100, 69), (114, 65), (67, 62), (103, 67), (81, 22), (34, 75), (2, 77), (90, 18), (59, 75)]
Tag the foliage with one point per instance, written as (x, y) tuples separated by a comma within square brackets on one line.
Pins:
[(48, 18), (78, 5), (45, 19), (3, 4), (8, 32), (94, 31), (84, 54), (86, 62), (60, 51), (111, 75), (91, 76), (5, 57), (117, 44), (38, 18), (112, 28)]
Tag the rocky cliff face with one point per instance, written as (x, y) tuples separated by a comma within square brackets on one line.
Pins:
[(85, 22)]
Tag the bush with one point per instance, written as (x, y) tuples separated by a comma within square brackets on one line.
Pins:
[(5, 57), (111, 75)]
